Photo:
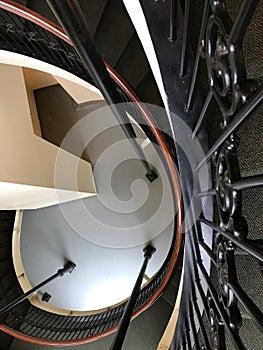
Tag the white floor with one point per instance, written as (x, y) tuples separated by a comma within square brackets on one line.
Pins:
[(103, 235)]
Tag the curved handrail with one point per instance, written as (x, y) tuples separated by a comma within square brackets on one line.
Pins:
[(58, 31)]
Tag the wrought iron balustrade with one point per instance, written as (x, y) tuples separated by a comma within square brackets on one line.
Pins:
[(216, 303)]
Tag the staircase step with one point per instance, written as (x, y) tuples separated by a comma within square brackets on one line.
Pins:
[(132, 63), (144, 332), (22, 2), (92, 11), (113, 31), (42, 8), (170, 294), (148, 91), (5, 341)]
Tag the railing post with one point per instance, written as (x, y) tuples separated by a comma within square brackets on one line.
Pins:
[(68, 267), (172, 23), (126, 318), (73, 22)]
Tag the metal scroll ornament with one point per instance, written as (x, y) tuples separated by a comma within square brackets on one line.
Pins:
[(227, 273), (216, 327), (229, 200), (231, 90), (225, 64)]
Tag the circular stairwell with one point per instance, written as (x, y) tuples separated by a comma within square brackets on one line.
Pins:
[(38, 326), (204, 318)]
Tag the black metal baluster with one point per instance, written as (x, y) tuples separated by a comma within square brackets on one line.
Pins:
[(193, 326), (73, 22), (77, 331), (247, 9), (185, 38), (9, 31), (32, 319), (68, 268), (212, 257), (250, 107), (201, 324), (51, 327), (173, 15), (237, 342), (249, 305), (188, 337), (210, 192), (248, 182), (70, 334), (246, 245), (49, 45), (208, 251), (200, 47), (32, 36), (125, 321), (40, 329), (183, 343), (202, 114), (61, 325), (203, 297)]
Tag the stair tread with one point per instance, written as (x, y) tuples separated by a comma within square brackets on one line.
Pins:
[(119, 34), (92, 11), (170, 294), (43, 9), (148, 92), (5, 341), (133, 63)]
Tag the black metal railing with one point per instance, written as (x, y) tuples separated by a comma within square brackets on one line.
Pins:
[(218, 309), (212, 75), (73, 22), (21, 35), (68, 268), (26, 319), (27, 38), (127, 315)]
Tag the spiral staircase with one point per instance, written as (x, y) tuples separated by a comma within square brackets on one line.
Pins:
[(201, 79)]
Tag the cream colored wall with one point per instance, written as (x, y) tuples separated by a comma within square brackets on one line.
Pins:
[(12, 58), (27, 161), (79, 93), (168, 334)]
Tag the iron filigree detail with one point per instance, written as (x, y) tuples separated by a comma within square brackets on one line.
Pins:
[(217, 332), (229, 203), (227, 273), (225, 64), (229, 200), (231, 89)]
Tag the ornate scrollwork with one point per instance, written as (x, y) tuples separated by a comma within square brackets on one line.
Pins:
[(231, 89), (229, 203), (217, 332), (225, 64), (229, 200), (227, 273)]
